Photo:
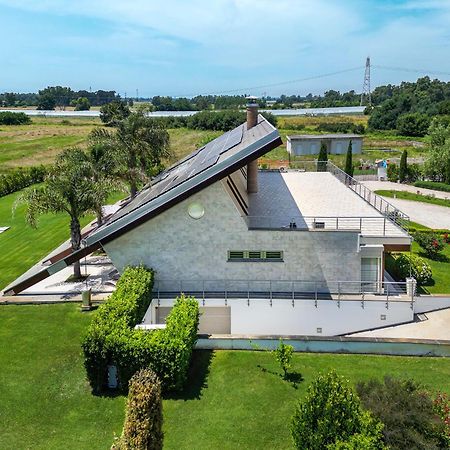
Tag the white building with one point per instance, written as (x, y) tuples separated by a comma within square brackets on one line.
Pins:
[(309, 144), (265, 253)]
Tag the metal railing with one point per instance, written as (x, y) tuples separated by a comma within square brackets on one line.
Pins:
[(368, 225), (284, 289), (388, 210)]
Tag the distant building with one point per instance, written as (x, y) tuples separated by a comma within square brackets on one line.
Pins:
[(309, 144)]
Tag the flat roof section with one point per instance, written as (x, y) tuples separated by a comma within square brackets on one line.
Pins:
[(324, 136), (302, 196)]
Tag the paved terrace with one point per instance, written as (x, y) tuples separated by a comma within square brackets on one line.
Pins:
[(308, 197)]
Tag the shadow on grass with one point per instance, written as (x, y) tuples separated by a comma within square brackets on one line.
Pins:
[(292, 377), (197, 377), (440, 257)]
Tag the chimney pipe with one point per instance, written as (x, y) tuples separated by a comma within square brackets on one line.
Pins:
[(252, 166)]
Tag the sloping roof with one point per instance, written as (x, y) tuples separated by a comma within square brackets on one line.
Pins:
[(210, 163)]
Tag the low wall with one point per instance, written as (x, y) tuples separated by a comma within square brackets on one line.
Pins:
[(427, 303), (303, 317), (314, 344)]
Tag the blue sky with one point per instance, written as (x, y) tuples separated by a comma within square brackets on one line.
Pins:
[(188, 47)]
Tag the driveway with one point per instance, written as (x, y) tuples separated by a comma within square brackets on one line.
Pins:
[(432, 216), (388, 185)]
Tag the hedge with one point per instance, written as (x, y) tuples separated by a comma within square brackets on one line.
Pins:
[(143, 420), (112, 339), (433, 185), (18, 179), (14, 118)]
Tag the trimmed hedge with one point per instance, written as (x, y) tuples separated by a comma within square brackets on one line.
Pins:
[(14, 118), (433, 185), (143, 421), (21, 178), (112, 338)]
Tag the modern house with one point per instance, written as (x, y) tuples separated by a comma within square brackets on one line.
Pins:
[(264, 252), (309, 144)]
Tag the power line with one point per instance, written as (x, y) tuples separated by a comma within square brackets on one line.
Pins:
[(281, 83), (365, 94), (403, 69)]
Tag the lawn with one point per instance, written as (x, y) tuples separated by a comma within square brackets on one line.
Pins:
[(234, 399), (22, 246), (414, 197)]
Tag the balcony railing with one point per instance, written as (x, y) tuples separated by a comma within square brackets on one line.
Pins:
[(284, 289), (388, 210), (377, 226)]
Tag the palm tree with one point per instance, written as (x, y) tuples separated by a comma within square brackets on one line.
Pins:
[(140, 144), (68, 188)]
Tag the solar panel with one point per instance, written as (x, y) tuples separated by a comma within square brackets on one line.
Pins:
[(185, 169)]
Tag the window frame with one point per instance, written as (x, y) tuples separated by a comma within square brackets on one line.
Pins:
[(250, 256)]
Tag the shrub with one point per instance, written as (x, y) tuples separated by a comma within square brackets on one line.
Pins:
[(432, 243), (413, 124), (14, 118), (433, 185), (406, 411), (331, 413), (283, 355), (403, 169), (143, 418), (404, 264), (112, 113), (441, 406), (18, 179), (112, 339), (392, 172), (322, 158)]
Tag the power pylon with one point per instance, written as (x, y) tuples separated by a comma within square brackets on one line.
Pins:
[(365, 94)]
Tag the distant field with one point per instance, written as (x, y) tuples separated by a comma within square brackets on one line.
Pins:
[(41, 141)]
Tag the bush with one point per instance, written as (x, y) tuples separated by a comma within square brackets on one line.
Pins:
[(433, 185), (420, 269), (432, 243), (143, 419), (441, 406), (406, 410), (283, 355), (413, 124), (13, 118), (18, 179), (392, 172), (331, 415), (112, 339), (114, 112)]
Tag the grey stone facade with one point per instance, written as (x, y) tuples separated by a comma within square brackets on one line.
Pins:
[(181, 248)]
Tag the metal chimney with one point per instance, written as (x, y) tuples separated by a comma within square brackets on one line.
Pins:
[(252, 166)]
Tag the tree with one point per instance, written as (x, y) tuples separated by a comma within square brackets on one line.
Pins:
[(413, 124), (331, 413), (114, 112), (82, 104), (403, 170), (283, 355), (322, 158), (141, 144), (46, 102), (437, 166), (349, 160), (68, 188)]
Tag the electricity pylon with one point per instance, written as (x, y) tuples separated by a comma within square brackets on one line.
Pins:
[(365, 94)]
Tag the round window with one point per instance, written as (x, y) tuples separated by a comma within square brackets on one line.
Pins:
[(196, 210)]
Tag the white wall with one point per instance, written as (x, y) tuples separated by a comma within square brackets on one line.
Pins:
[(426, 303), (258, 317), (181, 248)]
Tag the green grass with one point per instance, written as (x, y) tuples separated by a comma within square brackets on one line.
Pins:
[(413, 197), (22, 246), (440, 268), (234, 399)]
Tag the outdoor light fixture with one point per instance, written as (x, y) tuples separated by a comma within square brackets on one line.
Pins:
[(196, 210)]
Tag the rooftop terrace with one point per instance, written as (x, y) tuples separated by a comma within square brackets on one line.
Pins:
[(314, 201)]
